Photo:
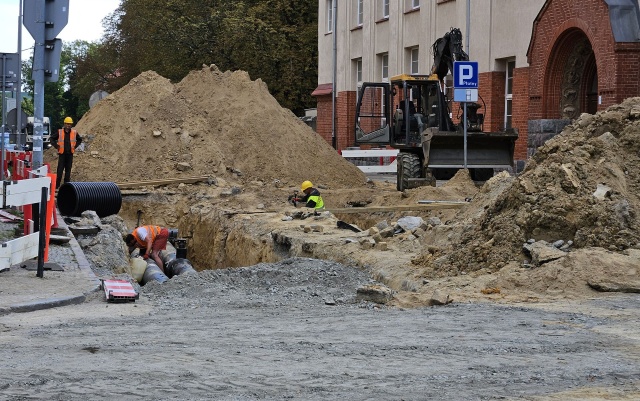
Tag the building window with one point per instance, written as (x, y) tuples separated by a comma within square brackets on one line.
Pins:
[(508, 95), (385, 8), (384, 67), (413, 60), (411, 5), (329, 16), (357, 69), (360, 12)]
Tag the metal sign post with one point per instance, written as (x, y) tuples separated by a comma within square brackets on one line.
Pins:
[(44, 19), (465, 90)]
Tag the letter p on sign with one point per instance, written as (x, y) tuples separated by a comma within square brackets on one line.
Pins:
[(465, 74)]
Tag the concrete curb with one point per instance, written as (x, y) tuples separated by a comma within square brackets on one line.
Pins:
[(85, 267), (44, 304)]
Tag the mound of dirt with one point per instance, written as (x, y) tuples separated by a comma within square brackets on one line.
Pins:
[(211, 123), (581, 186)]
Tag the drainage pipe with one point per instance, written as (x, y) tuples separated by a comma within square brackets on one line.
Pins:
[(174, 266), (76, 197), (153, 273)]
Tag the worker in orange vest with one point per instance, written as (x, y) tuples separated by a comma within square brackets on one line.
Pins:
[(150, 240), (65, 140)]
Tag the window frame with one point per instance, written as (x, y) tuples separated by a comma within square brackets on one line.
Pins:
[(385, 9), (414, 61), (384, 67), (510, 66), (330, 16), (359, 12)]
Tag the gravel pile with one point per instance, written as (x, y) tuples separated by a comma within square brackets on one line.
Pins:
[(296, 282)]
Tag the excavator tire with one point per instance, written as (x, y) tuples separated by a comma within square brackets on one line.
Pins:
[(408, 167)]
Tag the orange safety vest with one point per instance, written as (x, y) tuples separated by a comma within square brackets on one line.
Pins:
[(72, 139), (153, 231)]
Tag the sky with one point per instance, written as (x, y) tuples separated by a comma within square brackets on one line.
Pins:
[(85, 22)]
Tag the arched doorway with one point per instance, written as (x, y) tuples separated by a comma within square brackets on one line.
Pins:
[(571, 81)]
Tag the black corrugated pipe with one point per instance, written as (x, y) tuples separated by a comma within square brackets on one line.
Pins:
[(104, 198)]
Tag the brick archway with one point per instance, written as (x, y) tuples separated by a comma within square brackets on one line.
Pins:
[(569, 76), (613, 68)]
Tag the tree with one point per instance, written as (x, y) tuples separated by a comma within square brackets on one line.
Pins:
[(275, 40)]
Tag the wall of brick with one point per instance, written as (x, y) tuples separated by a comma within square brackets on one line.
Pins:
[(557, 27), (520, 110), (323, 121), (346, 115), (492, 90)]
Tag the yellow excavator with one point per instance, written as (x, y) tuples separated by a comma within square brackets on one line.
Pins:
[(430, 145)]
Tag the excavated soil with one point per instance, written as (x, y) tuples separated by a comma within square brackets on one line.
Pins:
[(211, 123), (579, 191)]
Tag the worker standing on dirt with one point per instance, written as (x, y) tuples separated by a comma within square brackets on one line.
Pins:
[(312, 196), (151, 240), (65, 140)]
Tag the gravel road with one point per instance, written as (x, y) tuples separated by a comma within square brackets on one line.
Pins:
[(295, 330)]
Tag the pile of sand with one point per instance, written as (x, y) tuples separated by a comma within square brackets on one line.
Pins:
[(581, 186), (211, 123)]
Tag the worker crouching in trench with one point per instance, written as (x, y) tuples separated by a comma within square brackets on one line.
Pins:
[(150, 240)]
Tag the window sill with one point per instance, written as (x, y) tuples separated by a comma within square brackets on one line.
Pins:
[(356, 28), (328, 33), (385, 19), (413, 10)]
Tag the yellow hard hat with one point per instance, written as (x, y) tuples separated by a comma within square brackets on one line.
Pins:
[(305, 185), (68, 120)]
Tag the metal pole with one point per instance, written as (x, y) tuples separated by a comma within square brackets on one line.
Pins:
[(19, 89), (468, 28), (42, 225), (38, 86), (464, 122), (464, 117), (334, 139)]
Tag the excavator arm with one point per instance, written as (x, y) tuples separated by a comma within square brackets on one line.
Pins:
[(446, 50)]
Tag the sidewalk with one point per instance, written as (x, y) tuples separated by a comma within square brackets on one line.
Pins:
[(22, 291)]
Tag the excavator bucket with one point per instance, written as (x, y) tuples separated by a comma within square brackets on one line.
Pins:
[(445, 149)]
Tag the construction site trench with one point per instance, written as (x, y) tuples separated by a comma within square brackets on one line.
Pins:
[(576, 202)]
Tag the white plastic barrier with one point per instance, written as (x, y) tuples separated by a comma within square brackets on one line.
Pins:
[(373, 153), (20, 193)]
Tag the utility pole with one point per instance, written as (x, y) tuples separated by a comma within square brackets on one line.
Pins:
[(19, 87)]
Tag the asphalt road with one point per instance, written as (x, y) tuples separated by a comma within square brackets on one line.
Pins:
[(295, 330)]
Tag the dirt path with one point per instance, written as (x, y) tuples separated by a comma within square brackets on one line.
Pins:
[(269, 332)]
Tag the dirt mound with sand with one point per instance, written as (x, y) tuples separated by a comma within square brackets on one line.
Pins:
[(581, 186), (211, 123)]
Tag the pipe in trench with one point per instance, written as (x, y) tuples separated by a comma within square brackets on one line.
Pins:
[(172, 267)]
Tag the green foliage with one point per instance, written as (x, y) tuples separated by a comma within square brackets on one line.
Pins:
[(274, 40)]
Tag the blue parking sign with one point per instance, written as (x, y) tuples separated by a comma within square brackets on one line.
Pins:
[(465, 74)]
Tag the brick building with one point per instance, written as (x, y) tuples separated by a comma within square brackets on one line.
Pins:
[(542, 63)]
